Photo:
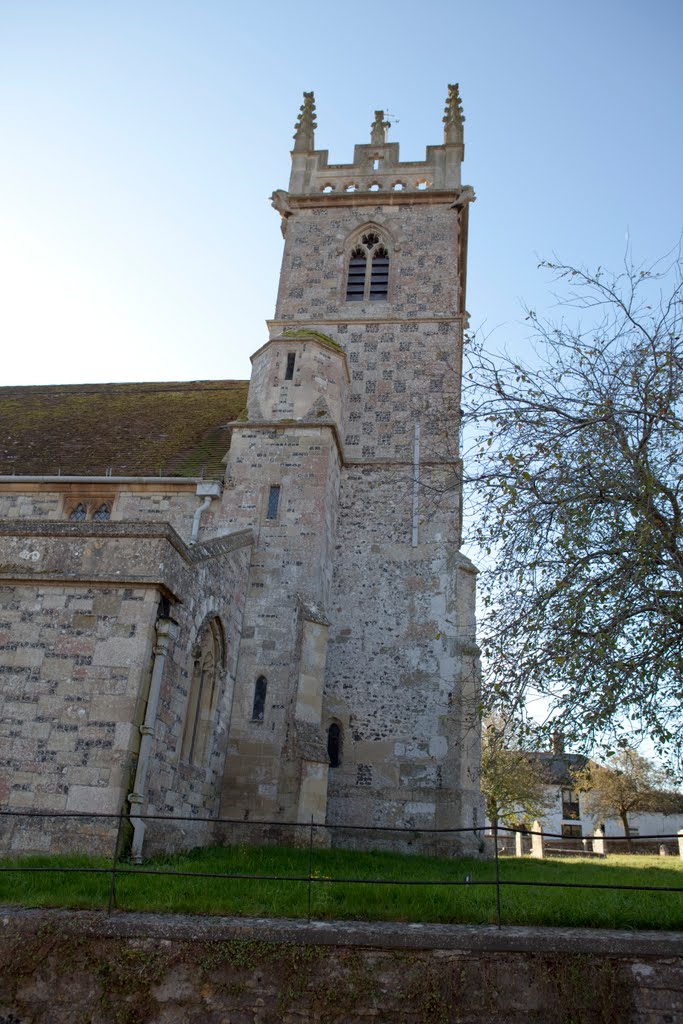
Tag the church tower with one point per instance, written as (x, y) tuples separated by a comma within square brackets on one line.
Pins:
[(356, 699)]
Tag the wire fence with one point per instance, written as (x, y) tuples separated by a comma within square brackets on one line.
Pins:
[(120, 863)]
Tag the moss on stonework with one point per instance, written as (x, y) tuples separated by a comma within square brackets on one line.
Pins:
[(158, 429), (131, 981), (307, 332)]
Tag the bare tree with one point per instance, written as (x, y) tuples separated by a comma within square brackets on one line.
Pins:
[(575, 477)]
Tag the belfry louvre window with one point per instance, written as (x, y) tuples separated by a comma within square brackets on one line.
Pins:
[(355, 284), (379, 275), (368, 274)]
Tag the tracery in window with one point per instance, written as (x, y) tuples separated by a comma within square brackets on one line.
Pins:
[(368, 272), (203, 696), (96, 508)]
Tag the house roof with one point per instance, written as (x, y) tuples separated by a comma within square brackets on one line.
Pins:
[(160, 429), (559, 768)]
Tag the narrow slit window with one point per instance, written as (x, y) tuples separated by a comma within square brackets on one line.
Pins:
[(273, 502), (334, 745), (259, 707), (289, 372)]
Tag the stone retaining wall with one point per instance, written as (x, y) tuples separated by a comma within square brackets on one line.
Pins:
[(66, 967)]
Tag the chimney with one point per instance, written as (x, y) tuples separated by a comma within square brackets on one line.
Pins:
[(557, 742)]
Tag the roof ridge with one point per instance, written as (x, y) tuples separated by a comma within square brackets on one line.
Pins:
[(123, 386)]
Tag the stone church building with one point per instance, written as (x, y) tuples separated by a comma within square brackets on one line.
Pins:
[(247, 600)]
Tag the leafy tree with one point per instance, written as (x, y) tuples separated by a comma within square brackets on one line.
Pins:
[(629, 782), (576, 476), (512, 779)]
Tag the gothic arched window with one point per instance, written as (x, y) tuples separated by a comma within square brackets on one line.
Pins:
[(96, 508), (368, 272), (203, 696)]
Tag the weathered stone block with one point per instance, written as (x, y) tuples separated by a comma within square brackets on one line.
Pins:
[(93, 799)]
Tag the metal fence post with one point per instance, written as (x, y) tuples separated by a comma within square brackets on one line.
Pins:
[(310, 867), (112, 884), (495, 846)]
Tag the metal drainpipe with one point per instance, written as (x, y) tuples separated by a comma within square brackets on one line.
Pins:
[(197, 518), (167, 631)]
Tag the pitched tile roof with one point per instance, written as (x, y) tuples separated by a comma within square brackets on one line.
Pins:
[(166, 429), (560, 767)]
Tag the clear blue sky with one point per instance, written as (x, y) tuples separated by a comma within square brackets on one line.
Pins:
[(140, 141)]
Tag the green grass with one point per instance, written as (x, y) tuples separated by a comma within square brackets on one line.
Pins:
[(137, 889)]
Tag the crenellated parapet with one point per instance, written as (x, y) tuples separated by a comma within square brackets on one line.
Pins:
[(377, 166)]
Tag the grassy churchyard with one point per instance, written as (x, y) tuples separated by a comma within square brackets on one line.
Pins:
[(333, 896)]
